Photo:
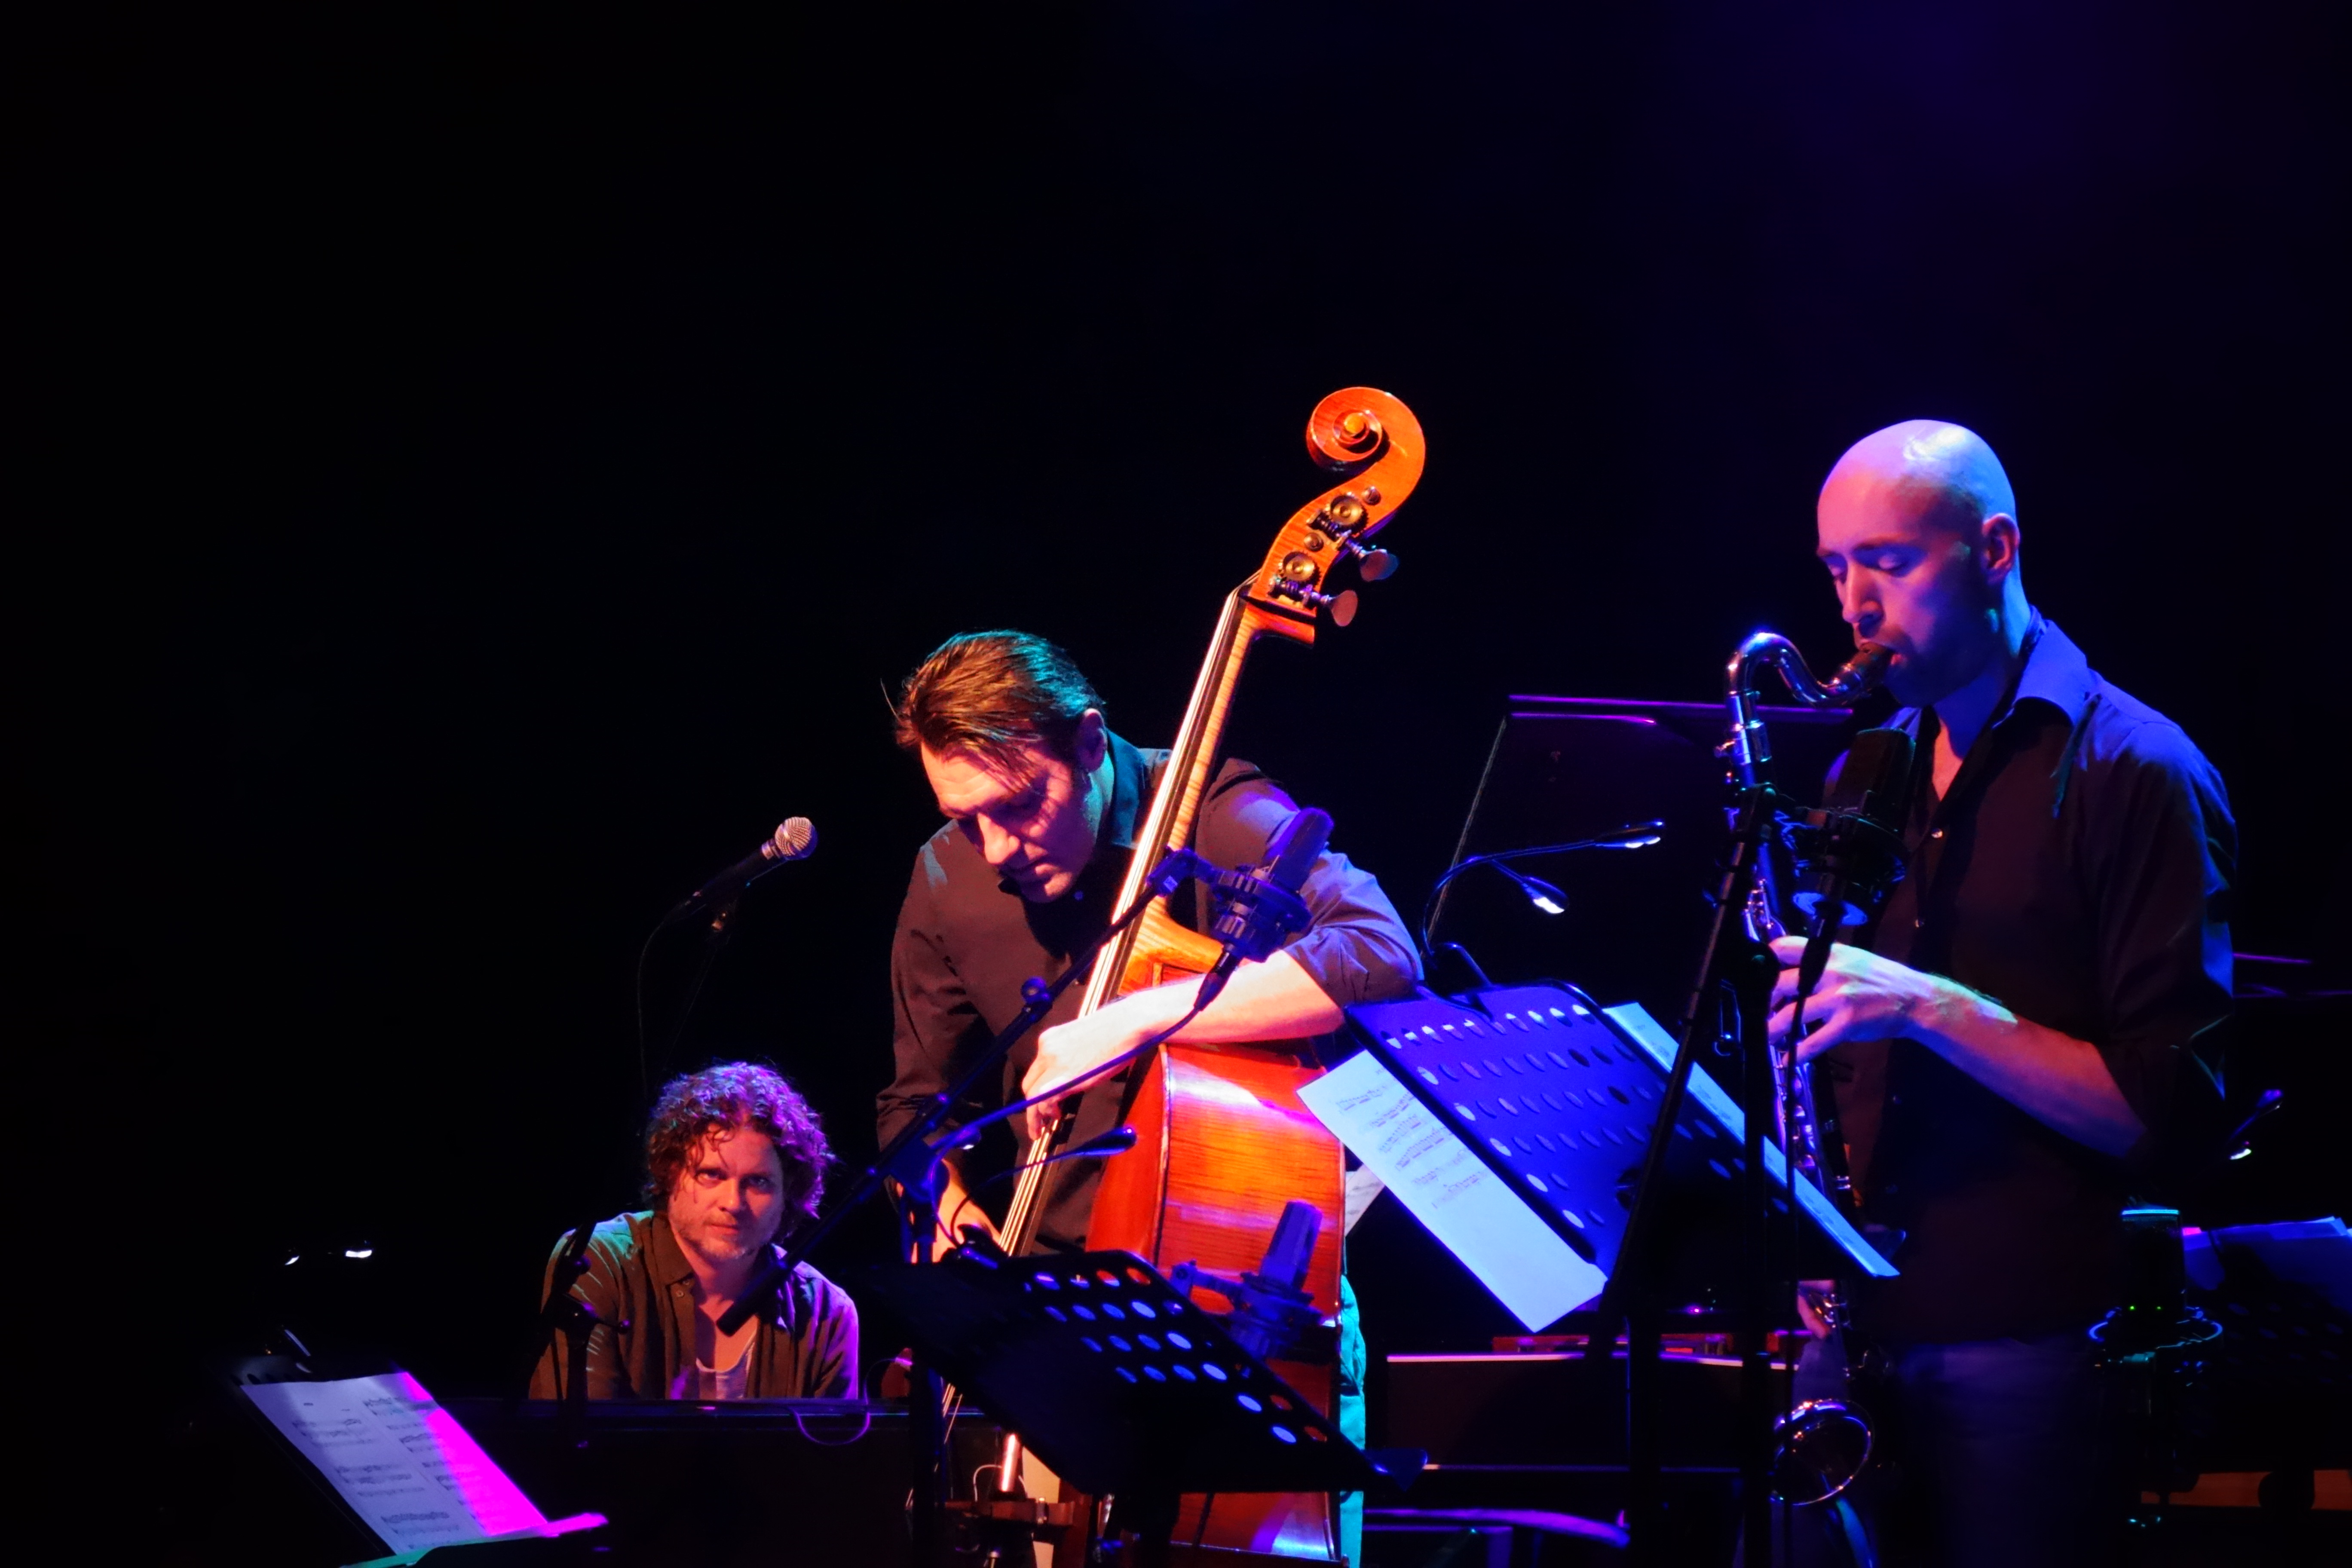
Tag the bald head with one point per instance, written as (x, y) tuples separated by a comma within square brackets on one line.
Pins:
[(1918, 528), (1934, 472)]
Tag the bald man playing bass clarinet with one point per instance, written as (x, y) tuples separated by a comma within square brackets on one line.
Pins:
[(2027, 1038)]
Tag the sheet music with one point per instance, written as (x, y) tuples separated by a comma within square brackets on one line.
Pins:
[(1534, 1273), (411, 1473)]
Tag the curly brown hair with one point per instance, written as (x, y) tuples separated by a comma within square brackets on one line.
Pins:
[(722, 1099), (992, 693)]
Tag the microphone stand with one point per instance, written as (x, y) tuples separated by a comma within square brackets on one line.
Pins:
[(1631, 1296), (578, 1320), (715, 937)]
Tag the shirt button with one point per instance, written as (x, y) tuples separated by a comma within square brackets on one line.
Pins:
[(1937, 834), (1891, 1189), (1918, 923)]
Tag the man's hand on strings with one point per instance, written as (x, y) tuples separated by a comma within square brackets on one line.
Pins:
[(1065, 1050), (1861, 996)]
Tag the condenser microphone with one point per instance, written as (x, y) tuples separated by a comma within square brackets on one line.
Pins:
[(794, 839), (1297, 846), (1857, 846), (1261, 906)]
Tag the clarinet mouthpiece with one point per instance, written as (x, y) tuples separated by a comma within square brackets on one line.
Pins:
[(1857, 675)]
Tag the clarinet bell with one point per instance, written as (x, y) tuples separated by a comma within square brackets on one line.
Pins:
[(1823, 1444)]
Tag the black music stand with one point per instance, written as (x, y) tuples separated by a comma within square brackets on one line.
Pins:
[(1120, 1383), (1557, 1096)]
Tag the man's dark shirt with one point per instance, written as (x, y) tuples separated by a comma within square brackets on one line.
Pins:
[(2078, 872), (967, 941)]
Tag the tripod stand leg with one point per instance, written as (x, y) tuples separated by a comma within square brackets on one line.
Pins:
[(1645, 1501), (925, 1500), (575, 1380)]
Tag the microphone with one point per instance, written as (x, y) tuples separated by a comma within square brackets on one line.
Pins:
[(1258, 907), (1297, 845), (1117, 1140), (1857, 849), (794, 839)]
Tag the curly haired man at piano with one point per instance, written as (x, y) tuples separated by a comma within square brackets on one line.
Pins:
[(734, 1160)]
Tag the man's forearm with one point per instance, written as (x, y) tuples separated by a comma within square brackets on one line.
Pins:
[(2054, 1078), (1275, 1000)]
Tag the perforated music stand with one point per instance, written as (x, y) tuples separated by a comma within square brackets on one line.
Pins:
[(1557, 1096), (1119, 1383)]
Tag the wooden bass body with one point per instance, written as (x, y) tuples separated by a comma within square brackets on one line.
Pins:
[(1223, 1143)]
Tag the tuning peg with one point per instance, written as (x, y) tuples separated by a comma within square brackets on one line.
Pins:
[(1295, 580), (1371, 564)]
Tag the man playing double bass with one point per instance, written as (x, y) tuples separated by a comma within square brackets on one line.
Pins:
[(1042, 801)]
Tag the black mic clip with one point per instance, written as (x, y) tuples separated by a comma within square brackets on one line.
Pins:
[(1254, 913), (1850, 855)]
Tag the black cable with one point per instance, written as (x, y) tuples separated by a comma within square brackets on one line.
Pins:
[(644, 1087), (1485, 981)]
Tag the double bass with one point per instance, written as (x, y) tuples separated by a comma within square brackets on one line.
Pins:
[(1224, 1141)]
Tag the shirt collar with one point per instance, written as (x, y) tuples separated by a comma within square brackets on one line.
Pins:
[(668, 1262), (2055, 673), (1131, 769)]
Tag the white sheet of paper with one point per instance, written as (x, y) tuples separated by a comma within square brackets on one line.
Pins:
[(406, 1468), (1449, 1189)]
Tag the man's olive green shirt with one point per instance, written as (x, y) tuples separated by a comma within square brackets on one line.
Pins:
[(642, 1288)]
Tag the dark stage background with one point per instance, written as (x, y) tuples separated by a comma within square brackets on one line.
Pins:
[(493, 458)]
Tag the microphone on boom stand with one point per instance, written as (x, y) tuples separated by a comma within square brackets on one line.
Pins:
[(1857, 847), (1259, 906), (794, 839)]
